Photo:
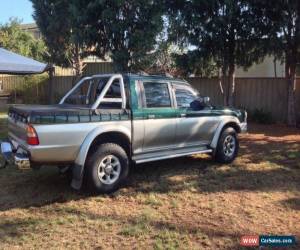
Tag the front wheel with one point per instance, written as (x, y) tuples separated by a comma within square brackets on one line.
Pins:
[(107, 168), (228, 146)]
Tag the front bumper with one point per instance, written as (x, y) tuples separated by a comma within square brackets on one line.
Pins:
[(11, 156)]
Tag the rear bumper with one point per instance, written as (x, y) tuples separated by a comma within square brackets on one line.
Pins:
[(11, 156)]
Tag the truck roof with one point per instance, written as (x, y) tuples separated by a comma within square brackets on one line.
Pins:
[(141, 76), (156, 77)]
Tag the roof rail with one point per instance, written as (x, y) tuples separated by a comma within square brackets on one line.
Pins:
[(142, 73), (163, 74)]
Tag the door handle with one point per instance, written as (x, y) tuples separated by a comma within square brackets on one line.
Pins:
[(182, 115), (151, 116)]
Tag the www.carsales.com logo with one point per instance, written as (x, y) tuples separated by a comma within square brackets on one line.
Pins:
[(268, 240), (249, 241)]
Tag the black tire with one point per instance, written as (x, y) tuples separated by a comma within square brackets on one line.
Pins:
[(223, 153), (97, 183)]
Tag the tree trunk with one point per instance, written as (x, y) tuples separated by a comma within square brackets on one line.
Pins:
[(223, 85), (291, 82), (78, 64), (51, 94), (275, 67), (231, 85), (78, 70)]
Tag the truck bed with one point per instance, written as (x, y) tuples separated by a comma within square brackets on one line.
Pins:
[(61, 129), (61, 113)]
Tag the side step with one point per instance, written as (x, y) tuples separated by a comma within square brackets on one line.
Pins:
[(170, 156)]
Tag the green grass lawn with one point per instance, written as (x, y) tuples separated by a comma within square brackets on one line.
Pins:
[(185, 203)]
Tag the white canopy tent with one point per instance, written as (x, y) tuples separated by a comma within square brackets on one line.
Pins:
[(12, 63)]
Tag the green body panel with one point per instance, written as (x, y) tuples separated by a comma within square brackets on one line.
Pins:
[(213, 111), (63, 119), (133, 95), (143, 113), (163, 113), (137, 114), (158, 113)]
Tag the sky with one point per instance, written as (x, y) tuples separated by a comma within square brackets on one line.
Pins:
[(22, 9)]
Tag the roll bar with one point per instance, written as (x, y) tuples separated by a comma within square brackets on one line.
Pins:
[(101, 98)]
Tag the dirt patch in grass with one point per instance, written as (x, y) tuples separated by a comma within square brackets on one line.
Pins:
[(185, 203)]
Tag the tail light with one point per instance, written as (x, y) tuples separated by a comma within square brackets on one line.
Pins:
[(32, 137)]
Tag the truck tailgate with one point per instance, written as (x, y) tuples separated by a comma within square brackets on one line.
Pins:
[(17, 127), (21, 115)]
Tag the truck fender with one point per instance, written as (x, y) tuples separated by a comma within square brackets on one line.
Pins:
[(233, 121), (79, 164)]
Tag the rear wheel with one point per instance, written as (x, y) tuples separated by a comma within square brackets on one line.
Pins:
[(107, 168), (228, 146)]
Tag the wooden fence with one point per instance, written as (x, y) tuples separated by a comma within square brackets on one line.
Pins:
[(21, 91), (98, 68), (267, 94), (91, 68)]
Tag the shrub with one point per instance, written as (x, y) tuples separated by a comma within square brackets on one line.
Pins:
[(261, 116), (32, 90)]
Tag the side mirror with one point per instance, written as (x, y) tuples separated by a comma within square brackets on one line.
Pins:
[(200, 103), (206, 100)]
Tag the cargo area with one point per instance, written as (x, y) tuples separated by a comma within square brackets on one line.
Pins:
[(63, 113)]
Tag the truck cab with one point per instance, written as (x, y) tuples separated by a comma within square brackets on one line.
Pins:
[(105, 123)]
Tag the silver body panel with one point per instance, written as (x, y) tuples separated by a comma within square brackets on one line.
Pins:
[(152, 136), (159, 134), (138, 128), (66, 142), (225, 120), (196, 130)]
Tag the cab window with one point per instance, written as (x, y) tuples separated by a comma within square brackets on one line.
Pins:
[(157, 95), (114, 92), (185, 96)]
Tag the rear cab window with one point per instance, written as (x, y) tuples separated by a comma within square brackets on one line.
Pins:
[(112, 98)]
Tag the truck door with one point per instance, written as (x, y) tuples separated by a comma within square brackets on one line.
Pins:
[(159, 116), (194, 127)]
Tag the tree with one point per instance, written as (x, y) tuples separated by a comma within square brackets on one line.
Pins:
[(162, 59), (196, 64), (279, 24), (13, 38), (131, 28), (221, 30), (62, 33)]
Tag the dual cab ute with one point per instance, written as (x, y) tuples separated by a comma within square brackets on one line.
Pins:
[(105, 123)]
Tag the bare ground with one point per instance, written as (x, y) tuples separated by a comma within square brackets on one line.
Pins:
[(185, 203)]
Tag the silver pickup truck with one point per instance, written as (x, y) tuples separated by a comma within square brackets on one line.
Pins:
[(105, 123)]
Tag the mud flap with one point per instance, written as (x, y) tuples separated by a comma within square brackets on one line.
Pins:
[(77, 177)]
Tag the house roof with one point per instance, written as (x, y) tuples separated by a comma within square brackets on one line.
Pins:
[(29, 26)]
